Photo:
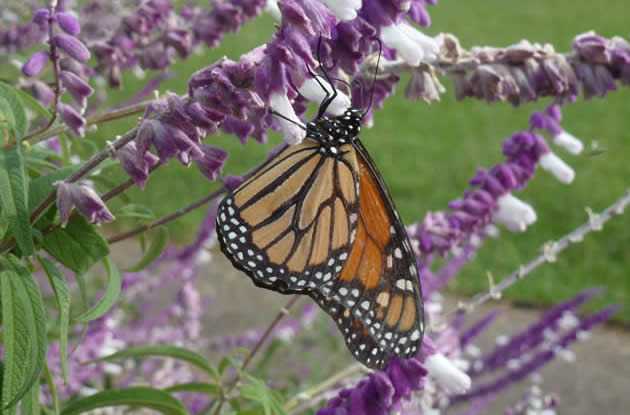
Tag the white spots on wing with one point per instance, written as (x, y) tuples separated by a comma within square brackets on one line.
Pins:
[(416, 333), (400, 284), (398, 253), (343, 291), (365, 305), (355, 292)]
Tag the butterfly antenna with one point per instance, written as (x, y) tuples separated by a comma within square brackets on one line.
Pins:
[(378, 61), (329, 97), (276, 113)]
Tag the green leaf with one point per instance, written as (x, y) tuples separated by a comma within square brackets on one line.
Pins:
[(24, 330), (39, 165), (84, 302), (30, 403), (77, 246), (7, 121), (4, 223), (109, 297), (33, 104), (226, 362), (257, 390), (164, 350), (134, 396), (135, 211), (10, 94), (209, 389), (51, 388), (62, 297), (14, 197), (159, 241)]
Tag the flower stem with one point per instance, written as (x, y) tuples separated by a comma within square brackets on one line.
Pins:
[(307, 396), (548, 254), (112, 115), (281, 314), (168, 218)]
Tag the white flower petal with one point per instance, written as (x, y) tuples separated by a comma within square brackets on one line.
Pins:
[(447, 374), (343, 10), (556, 166), (293, 133), (271, 7), (430, 47), (407, 49), (515, 214), (312, 91), (571, 143)]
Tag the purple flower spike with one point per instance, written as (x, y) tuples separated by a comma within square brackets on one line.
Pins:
[(72, 118), (77, 87), (72, 46), (592, 47), (128, 157), (153, 133), (40, 18), (212, 161), (68, 23), (87, 202), (35, 63), (42, 92), (240, 128)]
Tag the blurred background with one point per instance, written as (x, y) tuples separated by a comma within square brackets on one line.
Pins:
[(427, 153)]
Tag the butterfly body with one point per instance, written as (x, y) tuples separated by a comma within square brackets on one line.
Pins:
[(317, 219)]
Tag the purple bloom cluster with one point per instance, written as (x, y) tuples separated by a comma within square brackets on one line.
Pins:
[(176, 131), (524, 72), (491, 200), (85, 199)]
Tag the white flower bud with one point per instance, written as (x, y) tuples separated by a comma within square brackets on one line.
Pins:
[(447, 374)]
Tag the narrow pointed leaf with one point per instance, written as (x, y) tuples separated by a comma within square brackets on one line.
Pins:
[(159, 240), (9, 93), (62, 298), (143, 397), (51, 389), (14, 197), (109, 297), (24, 330), (163, 350)]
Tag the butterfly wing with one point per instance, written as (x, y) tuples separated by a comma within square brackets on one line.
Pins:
[(357, 337), (379, 284), (290, 226)]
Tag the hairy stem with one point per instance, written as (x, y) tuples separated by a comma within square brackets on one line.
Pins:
[(550, 250)]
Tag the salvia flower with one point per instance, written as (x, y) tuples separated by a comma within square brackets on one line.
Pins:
[(343, 10), (212, 161), (85, 199), (35, 63), (315, 90), (67, 23), (72, 46), (72, 118), (76, 87), (139, 172), (452, 379)]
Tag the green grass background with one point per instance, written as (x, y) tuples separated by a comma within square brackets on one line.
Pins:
[(427, 153)]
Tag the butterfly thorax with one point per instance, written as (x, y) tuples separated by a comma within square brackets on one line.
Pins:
[(331, 133)]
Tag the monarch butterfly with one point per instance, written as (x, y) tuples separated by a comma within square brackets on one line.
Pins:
[(317, 219)]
